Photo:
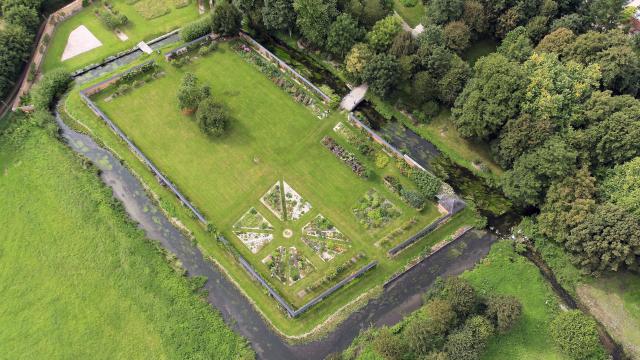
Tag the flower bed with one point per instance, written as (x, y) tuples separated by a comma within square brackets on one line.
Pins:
[(296, 206), (299, 93), (324, 238), (287, 265), (344, 155), (253, 220), (254, 240), (273, 200), (375, 211)]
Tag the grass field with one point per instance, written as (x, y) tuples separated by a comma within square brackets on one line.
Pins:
[(287, 128), (412, 15), (505, 272), (78, 280), (139, 28)]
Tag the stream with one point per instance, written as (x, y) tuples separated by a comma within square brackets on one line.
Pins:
[(400, 298)]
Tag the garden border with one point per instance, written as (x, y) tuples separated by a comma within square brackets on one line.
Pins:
[(284, 66), (94, 89)]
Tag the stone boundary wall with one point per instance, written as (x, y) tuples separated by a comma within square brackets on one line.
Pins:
[(284, 66), (86, 93), (447, 245), (36, 58)]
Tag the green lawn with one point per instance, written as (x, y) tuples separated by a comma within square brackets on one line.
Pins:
[(78, 280), (412, 15), (271, 138), (505, 272), (138, 28)]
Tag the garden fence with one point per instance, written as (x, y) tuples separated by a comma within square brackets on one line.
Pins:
[(284, 66), (185, 47)]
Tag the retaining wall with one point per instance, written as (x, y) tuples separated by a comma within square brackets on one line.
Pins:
[(284, 66)]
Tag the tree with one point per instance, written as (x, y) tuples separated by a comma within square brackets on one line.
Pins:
[(403, 44), (505, 311), (314, 18), (190, 94), (444, 11), (456, 36), (368, 12), (574, 22), (428, 332), (461, 295), (196, 29), (516, 45), (620, 187), (22, 15), (383, 32), (278, 15), (475, 16), (556, 41), (225, 19), (556, 91), (15, 45), (537, 28), (607, 240), (390, 346), (454, 80), (576, 335), (343, 34), (490, 98), (569, 202), (620, 69), (615, 140), (355, 62), (533, 172), (605, 14), (425, 86), (434, 59), (521, 135), (381, 73), (469, 342), (51, 87), (211, 118)]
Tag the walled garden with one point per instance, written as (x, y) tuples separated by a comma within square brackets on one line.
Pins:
[(269, 185)]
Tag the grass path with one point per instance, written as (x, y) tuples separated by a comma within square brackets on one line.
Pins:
[(78, 280)]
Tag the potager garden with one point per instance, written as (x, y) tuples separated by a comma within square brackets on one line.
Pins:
[(304, 201)]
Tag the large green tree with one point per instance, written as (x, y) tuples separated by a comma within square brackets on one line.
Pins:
[(516, 45), (444, 11), (383, 32), (314, 18), (278, 15), (381, 73), (225, 19), (576, 335), (211, 117), (456, 36), (491, 98), (622, 186), (607, 240), (343, 34)]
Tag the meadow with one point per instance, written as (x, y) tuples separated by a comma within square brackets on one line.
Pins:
[(137, 29), (271, 138), (79, 280), (411, 14)]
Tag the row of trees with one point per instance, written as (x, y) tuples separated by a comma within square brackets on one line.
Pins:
[(455, 323), (559, 120), (21, 19), (211, 116)]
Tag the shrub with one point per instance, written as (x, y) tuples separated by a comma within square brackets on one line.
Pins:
[(409, 3), (427, 184), (390, 346), (195, 29), (52, 86), (469, 342), (382, 160), (111, 20), (211, 118), (190, 93), (461, 295), (504, 310), (413, 198), (576, 335)]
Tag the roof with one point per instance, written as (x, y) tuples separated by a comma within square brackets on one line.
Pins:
[(452, 204)]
